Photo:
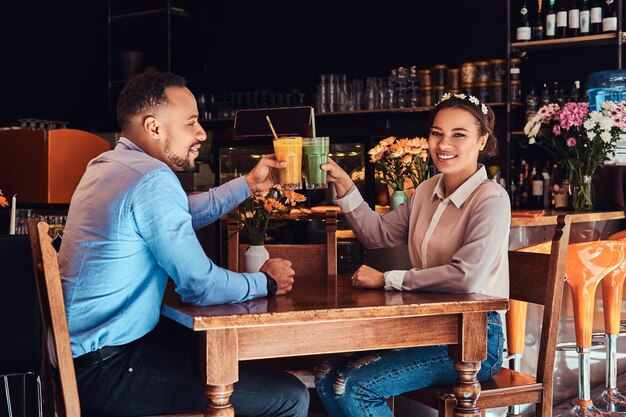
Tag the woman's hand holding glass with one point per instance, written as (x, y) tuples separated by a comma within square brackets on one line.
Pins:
[(339, 177)]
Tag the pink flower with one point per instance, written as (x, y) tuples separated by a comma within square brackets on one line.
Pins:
[(572, 114), (556, 129), (571, 142)]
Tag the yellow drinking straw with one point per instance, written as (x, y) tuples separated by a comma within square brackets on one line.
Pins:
[(271, 127)]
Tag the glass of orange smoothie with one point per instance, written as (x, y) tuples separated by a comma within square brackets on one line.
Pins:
[(289, 149)]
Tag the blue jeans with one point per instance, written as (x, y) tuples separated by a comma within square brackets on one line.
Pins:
[(358, 385), (160, 374)]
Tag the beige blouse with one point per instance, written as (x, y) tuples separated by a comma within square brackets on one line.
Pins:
[(457, 244)]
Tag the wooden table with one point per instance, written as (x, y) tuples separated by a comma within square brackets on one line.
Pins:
[(315, 320)]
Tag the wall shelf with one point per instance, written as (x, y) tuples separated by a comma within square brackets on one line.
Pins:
[(580, 41)]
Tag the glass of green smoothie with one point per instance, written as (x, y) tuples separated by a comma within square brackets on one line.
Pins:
[(314, 154)]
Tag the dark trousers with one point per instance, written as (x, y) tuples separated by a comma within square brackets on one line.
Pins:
[(160, 374)]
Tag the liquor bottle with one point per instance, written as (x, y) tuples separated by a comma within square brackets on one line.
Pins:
[(558, 94), (538, 29), (573, 20), (545, 95), (513, 195), (561, 21), (524, 190), (575, 94), (547, 194), (554, 180), (537, 190), (523, 27), (551, 21), (609, 17), (595, 18), (584, 19), (532, 102)]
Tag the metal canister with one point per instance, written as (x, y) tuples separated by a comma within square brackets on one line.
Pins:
[(482, 91), (515, 68), (482, 71), (497, 68), (497, 91), (439, 74), (438, 91), (454, 81), (425, 78), (468, 73), (427, 96)]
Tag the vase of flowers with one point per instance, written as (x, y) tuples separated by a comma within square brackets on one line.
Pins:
[(582, 141), (256, 215), (398, 160)]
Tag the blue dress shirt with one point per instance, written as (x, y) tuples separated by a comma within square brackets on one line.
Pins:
[(131, 226)]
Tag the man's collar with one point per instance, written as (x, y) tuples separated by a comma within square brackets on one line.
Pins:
[(125, 143)]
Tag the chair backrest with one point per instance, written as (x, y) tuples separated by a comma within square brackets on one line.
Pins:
[(539, 278), (309, 261), (56, 333)]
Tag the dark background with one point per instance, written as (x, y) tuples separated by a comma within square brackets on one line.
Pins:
[(55, 60)]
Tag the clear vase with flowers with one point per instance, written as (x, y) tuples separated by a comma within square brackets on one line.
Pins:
[(581, 141), (399, 160)]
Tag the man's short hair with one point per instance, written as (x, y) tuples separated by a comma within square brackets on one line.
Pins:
[(145, 92)]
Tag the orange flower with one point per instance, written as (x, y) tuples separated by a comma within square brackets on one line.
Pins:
[(3, 200), (293, 197)]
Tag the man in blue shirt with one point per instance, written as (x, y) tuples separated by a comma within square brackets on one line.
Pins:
[(131, 226)]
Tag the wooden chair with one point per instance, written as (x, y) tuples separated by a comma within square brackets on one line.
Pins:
[(309, 261), (536, 278), (55, 330)]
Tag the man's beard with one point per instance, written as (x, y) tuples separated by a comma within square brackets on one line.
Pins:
[(179, 163)]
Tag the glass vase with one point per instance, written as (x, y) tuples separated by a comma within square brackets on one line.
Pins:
[(397, 198), (582, 194)]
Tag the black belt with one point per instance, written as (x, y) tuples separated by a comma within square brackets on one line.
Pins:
[(100, 355)]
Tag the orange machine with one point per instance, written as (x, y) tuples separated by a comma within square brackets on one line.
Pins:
[(45, 166)]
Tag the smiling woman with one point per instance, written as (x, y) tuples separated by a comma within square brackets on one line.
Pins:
[(456, 225)]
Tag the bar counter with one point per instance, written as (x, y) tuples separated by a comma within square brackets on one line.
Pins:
[(520, 218)]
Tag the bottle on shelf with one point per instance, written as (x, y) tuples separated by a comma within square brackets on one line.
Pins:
[(595, 18), (538, 28), (558, 94), (547, 193), (573, 20), (551, 21), (523, 32), (575, 95), (532, 103), (513, 194), (524, 189), (584, 18), (609, 17), (545, 95), (561, 21), (537, 190)]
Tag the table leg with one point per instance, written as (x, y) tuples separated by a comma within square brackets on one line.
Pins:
[(466, 389), (220, 371), (467, 355)]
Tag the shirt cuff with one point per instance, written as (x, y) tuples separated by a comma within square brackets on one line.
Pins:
[(240, 186), (393, 280), (350, 201), (258, 284)]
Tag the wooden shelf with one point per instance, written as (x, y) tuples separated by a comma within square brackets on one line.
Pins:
[(374, 111), (518, 133), (174, 10), (580, 41)]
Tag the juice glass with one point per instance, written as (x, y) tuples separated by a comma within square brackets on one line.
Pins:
[(289, 149), (315, 153)]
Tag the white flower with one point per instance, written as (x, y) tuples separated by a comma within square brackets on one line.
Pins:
[(445, 96), (589, 125), (605, 136), (606, 123), (484, 109), (595, 116), (461, 96), (474, 100), (532, 141)]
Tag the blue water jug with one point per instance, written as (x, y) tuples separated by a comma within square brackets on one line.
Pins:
[(609, 85)]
